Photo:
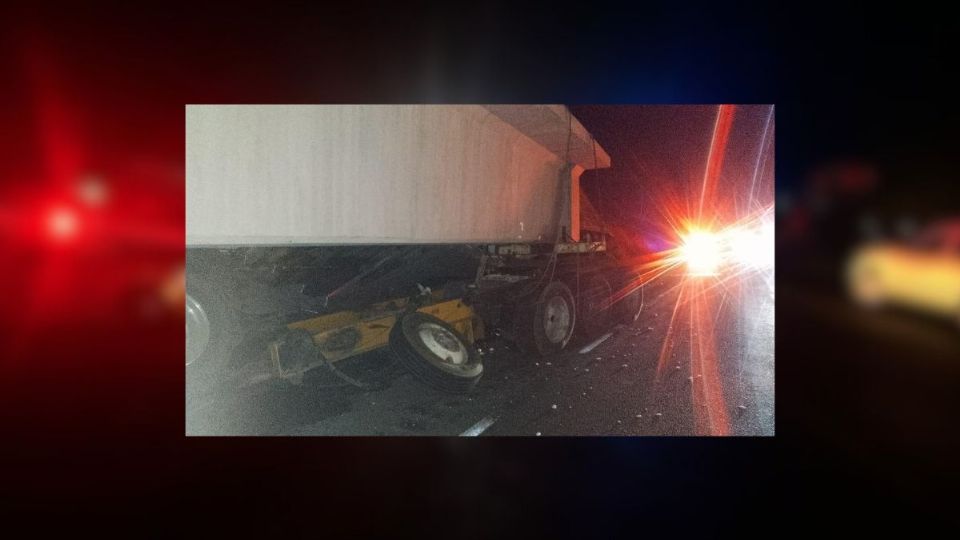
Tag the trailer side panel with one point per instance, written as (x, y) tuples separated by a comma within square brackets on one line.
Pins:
[(367, 174)]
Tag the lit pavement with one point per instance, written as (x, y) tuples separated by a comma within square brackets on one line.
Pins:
[(614, 389)]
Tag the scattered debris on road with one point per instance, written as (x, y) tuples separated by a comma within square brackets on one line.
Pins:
[(478, 428), (589, 347)]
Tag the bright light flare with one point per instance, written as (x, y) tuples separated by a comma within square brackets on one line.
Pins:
[(701, 251), (752, 246), (62, 224), (740, 247), (92, 191)]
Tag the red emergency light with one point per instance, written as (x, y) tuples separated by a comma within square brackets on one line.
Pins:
[(62, 224)]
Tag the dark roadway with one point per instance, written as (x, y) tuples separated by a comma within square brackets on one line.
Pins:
[(611, 390), (870, 390)]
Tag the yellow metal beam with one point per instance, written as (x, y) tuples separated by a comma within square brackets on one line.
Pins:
[(348, 333)]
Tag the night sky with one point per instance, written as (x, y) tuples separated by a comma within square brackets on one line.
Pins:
[(659, 154)]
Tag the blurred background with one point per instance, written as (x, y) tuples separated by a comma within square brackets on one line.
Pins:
[(875, 386), (91, 225)]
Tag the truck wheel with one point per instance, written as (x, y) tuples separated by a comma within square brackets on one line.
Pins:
[(595, 305), (198, 329), (434, 352), (210, 334), (545, 326)]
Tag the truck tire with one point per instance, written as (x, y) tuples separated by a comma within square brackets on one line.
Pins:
[(434, 352), (212, 337), (596, 309), (546, 325)]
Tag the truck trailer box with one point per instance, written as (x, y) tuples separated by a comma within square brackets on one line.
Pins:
[(262, 175)]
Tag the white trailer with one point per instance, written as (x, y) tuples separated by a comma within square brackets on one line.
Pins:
[(372, 174)]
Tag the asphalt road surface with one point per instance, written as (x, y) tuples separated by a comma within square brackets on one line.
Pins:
[(872, 387), (615, 388)]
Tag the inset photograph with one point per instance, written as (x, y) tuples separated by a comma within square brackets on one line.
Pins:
[(480, 270)]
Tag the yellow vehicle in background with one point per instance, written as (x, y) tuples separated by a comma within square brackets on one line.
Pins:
[(922, 273)]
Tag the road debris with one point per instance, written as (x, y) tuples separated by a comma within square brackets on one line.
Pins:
[(589, 347), (478, 428)]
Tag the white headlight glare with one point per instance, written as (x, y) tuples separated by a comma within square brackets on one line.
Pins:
[(701, 251)]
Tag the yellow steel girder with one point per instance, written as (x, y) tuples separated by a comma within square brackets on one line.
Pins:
[(348, 333)]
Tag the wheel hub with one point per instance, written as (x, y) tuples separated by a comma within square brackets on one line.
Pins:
[(442, 343), (556, 320)]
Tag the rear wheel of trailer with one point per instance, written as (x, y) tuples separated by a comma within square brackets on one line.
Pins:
[(211, 333)]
